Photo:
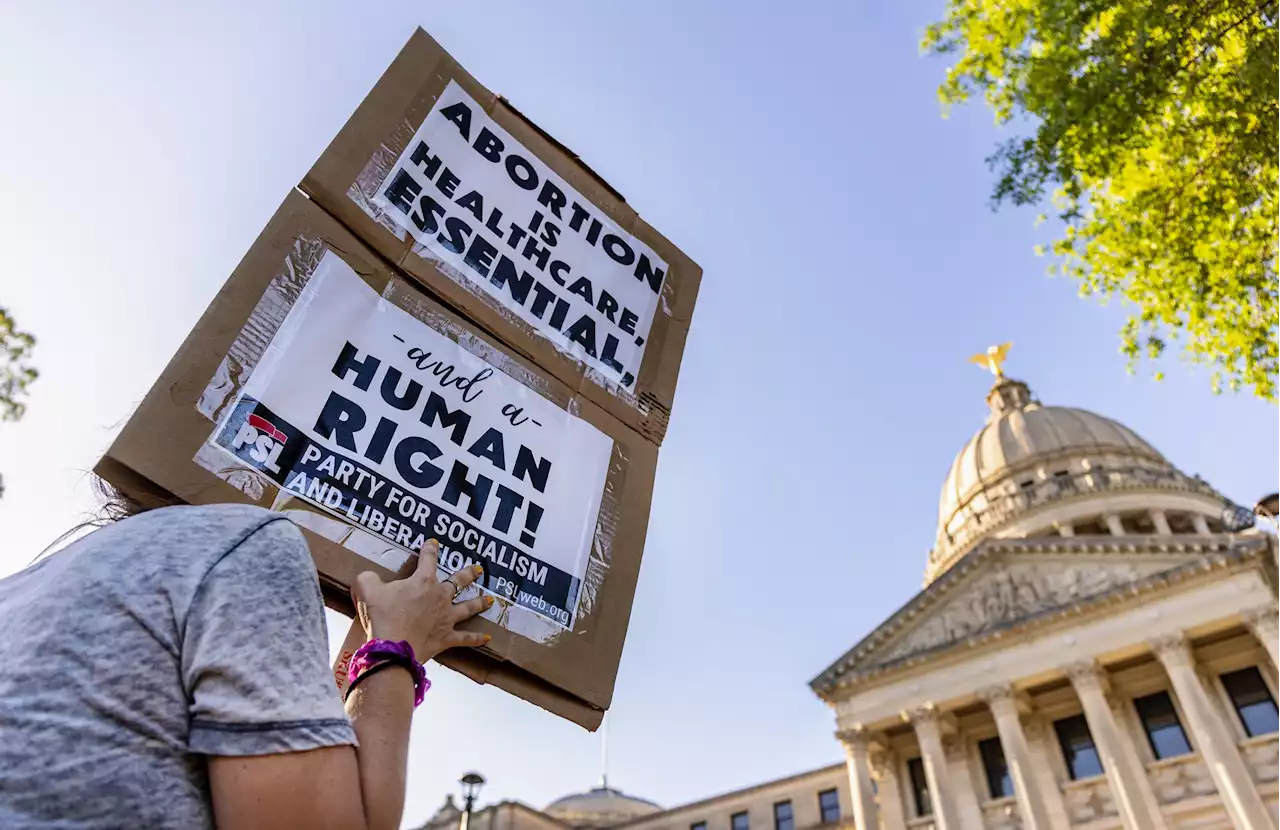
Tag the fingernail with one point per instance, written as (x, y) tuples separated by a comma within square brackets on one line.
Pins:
[(488, 602), (433, 542), (479, 569), (487, 638)]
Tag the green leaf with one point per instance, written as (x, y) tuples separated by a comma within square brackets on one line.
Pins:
[(16, 374), (1152, 133)]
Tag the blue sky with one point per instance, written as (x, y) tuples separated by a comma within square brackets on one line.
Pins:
[(794, 150)]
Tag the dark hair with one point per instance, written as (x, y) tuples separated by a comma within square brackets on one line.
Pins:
[(117, 504)]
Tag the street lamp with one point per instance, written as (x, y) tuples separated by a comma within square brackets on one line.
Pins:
[(471, 784)]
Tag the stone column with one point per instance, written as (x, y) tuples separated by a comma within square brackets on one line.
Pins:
[(1199, 523), (857, 753), (1126, 774), (967, 790), (1043, 745), (1114, 525), (1265, 625), (1033, 801), (928, 726), (1161, 521), (1213, 737), (884, 768)]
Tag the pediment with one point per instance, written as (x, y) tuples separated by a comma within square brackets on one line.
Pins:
[(1011, 591), (1010, 583)]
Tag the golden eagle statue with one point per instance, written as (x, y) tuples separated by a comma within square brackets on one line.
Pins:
[(993, 358)]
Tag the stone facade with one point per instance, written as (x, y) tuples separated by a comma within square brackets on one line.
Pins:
[(1063, 666), (803, 795), (800, 792)]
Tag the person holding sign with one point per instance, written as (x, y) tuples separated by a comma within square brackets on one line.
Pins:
[(171, 671)]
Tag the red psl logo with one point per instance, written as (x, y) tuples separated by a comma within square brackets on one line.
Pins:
[(265, 441), (263, 425)]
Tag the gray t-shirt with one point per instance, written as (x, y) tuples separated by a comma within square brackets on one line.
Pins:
[(146, 646)]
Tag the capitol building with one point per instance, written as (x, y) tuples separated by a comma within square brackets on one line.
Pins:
[(1093, 649)]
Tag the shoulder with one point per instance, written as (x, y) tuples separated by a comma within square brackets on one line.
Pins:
[(259, 577), (237, 554), (209, 524), (204, 535)]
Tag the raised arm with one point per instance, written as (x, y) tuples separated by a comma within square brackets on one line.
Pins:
[(342, 787)]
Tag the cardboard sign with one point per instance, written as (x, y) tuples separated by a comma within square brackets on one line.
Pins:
[(320, 385), (467, 196), (502, 219), (509, 403), (373, 416)]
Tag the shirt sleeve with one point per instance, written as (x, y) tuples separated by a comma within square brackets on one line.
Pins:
[(255, 652)]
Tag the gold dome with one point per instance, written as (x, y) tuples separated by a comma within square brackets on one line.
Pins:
[(1029, 457)]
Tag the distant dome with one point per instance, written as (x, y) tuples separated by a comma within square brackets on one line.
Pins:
[(600, 807), (1028, 456)]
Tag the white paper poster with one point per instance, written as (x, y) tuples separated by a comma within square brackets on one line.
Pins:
[(370, 414), (501, 219)]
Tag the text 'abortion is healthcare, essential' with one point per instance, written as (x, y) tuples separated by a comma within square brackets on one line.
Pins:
[(375, 417), (501, 219)]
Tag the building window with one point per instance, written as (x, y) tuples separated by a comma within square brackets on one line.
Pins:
[(1139, 523), (829, 806), (738, 821), (1253, 701), (919, 788), (782, 818), (1164, 730), (999, 784), (1077, 747), (1093, 527), (698, 825)]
